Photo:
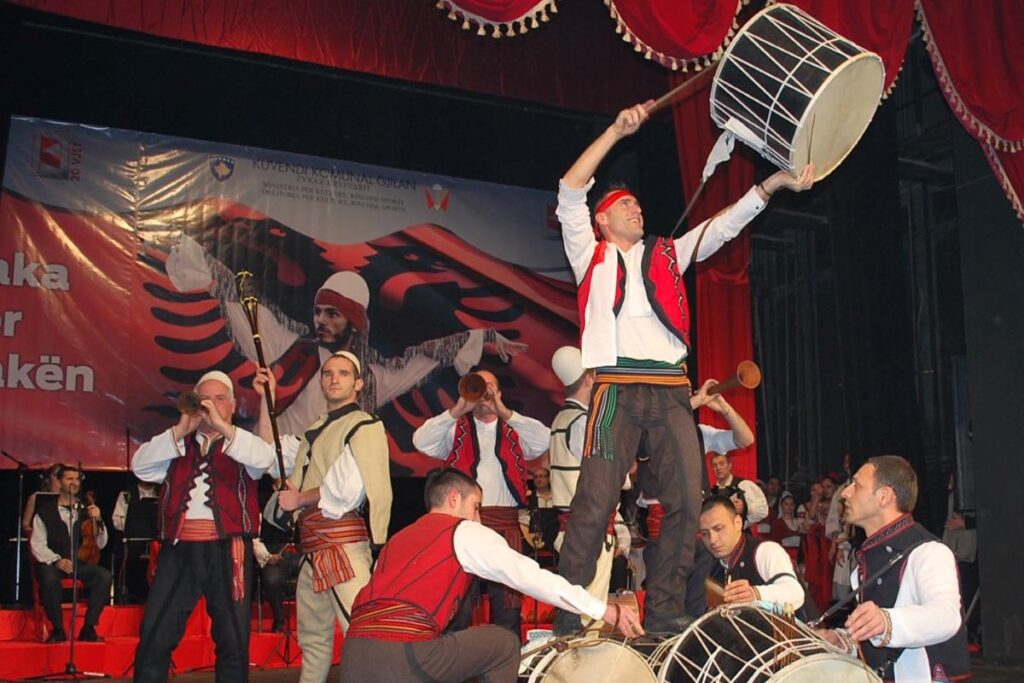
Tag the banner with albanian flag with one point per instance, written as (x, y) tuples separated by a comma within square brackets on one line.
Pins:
[(118, 255)]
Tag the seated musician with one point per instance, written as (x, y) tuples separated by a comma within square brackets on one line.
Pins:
[(400, 619), (134, 515), (748, 568), (54, 523)]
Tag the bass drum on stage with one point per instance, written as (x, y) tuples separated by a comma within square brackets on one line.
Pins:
[(747, 644), (584, 660)]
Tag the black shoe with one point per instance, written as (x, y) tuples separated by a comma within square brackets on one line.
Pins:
[(56, 636), (88, 635), (277, 626), (566, 623), (667, 625)]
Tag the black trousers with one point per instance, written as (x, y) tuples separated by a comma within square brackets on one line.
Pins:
[(273, 577), (661, 418), (96, 580), (185, 571)]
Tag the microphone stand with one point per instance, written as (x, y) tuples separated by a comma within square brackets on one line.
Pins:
[(22, 468)]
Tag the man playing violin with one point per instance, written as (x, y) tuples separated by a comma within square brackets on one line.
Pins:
[(52, 527)]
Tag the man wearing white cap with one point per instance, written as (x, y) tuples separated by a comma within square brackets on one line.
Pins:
[(340, 322), (568, 430), (209, 514), (339, 463)]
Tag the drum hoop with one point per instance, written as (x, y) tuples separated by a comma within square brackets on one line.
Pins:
[(822, 88)]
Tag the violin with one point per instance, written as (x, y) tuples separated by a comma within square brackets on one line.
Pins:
[(89, 551)]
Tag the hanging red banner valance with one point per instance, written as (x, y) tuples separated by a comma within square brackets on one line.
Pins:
[(678, 34), (499, 18), (983, 80), (882, 26)]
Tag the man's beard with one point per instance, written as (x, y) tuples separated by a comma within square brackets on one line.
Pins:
[(342, 342)]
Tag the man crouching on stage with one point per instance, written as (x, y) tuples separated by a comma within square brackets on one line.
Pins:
[(419, 586), (340, 462), (209, 514)]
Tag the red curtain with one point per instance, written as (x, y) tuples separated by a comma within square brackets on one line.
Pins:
[(724, 324), (882, 26), (404, 39), (977, 50), (676, 33)]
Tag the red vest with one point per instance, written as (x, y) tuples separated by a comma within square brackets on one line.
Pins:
[(465, 454), (663, 281), (417, 586), (232, 493)]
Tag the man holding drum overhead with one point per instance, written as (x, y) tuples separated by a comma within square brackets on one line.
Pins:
[(634, 329)]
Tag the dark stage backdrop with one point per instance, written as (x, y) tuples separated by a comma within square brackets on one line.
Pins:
[(992, 250)]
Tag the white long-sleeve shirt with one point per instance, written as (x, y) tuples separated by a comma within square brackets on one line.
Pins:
[(926, 611), (154, 458), (40, 547), (772, 560), (342, 489), (434, 438), (757, 504), (484, 553), (636, 332)]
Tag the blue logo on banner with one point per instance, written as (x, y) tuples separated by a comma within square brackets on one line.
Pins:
[(222, 167)]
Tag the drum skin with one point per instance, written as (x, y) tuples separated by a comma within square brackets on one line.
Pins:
[(795, 91), (587, 660)]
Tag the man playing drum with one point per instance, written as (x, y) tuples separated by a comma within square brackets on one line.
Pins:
[(748, 568), (419, 587), (908, 623), (634, 329)]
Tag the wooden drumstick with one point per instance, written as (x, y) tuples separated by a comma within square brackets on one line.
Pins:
[(686, 88)]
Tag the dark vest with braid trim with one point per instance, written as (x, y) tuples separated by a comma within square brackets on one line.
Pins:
[(465, 454), (231, 496), (948, 660)]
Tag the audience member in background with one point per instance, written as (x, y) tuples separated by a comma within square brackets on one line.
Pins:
[(539, 520), (279, 561), (744, 493), (961, 536), (788, 531), (817, 567)]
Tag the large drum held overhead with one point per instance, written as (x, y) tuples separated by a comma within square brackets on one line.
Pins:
[(796, 91)]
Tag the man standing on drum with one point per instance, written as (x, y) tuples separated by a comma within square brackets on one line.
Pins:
[(634, 329), (908, 623)]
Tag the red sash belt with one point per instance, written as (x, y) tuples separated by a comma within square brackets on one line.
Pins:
[(392, 620), (204, 530), (324, 539)]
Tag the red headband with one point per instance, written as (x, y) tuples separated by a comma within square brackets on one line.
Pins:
[(352, 310), (611, 198)]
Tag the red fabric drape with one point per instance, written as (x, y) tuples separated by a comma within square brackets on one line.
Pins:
[(404, 39), (499, 18), (882, 26), (977, 50), (724, 325), (676, 33)]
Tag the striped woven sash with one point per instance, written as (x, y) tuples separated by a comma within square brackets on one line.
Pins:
[(392, 620), (605, 399), (324, 540)]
